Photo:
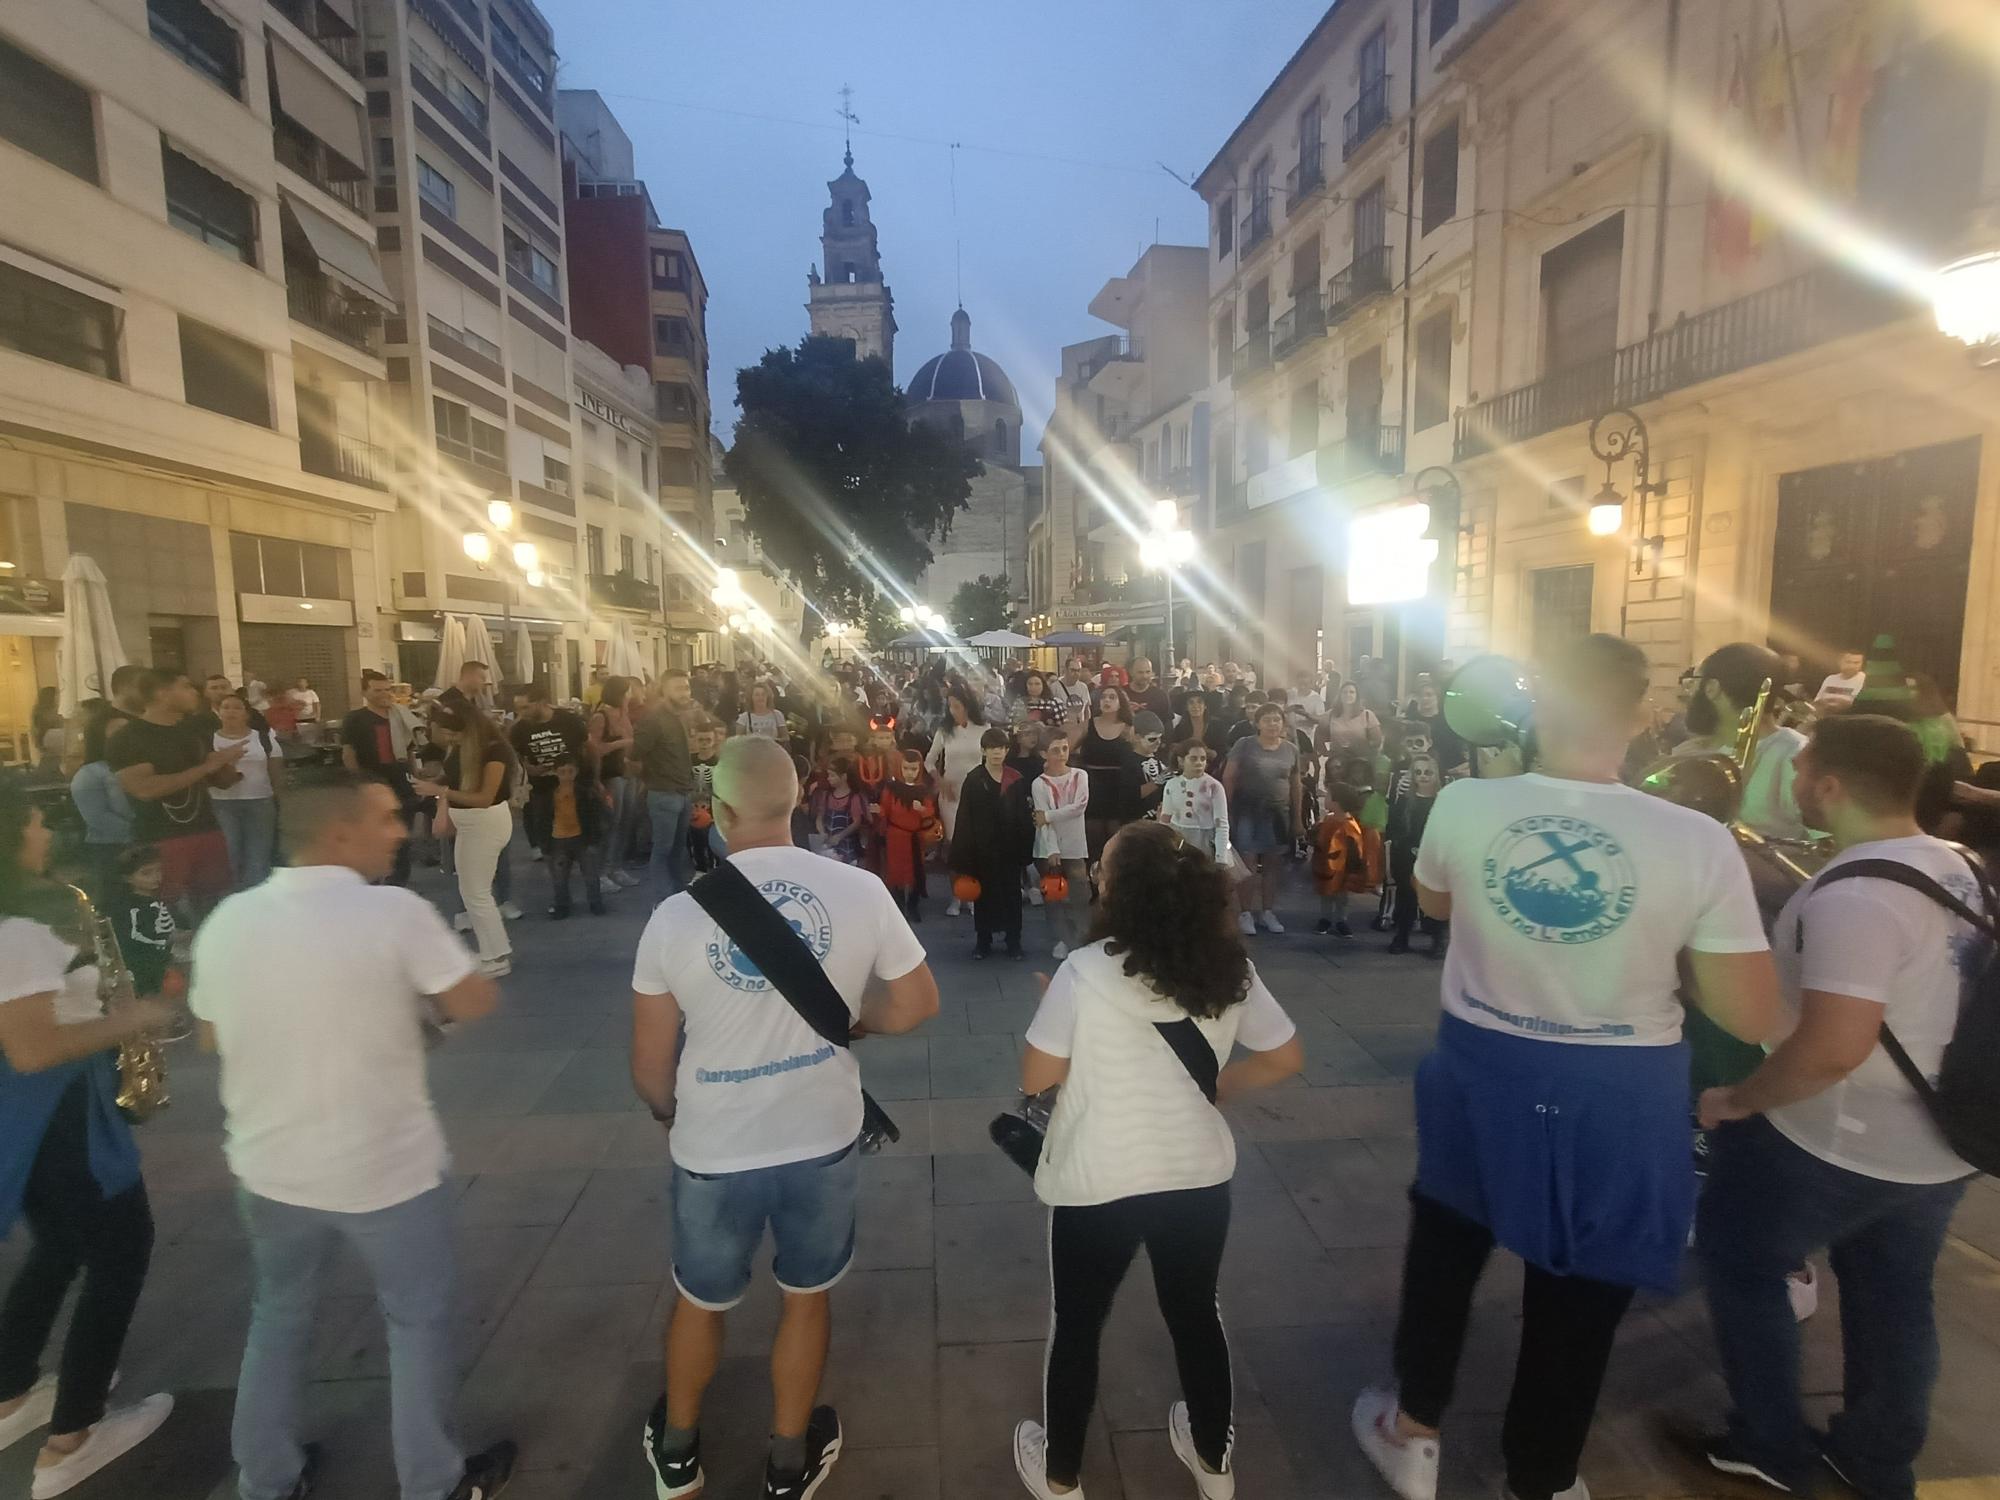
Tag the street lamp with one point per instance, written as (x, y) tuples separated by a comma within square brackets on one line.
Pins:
[(1166, 548), (1965, 298), (1615, 437), (836, 631), (478, 545), (501, 514)]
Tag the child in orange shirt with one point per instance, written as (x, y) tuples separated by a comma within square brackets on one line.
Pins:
[(575, 830), (1347, 857)]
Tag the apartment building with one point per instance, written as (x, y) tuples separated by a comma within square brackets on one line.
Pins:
[(467, 193), (763, 585), (1697, 237), (1124, 419), (192, 384)]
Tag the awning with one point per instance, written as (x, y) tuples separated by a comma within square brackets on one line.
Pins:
[(338, 250), (319, 104)]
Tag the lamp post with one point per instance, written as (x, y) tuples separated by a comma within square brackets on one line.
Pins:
[(1615, 437), (478, 545), (730, 601), (1167, 547), (837, 631), (1965, 299)]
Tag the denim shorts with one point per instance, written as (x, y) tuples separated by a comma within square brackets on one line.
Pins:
[(719, 1222)]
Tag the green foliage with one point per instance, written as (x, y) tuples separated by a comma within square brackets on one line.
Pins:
[(837, 486), (981, 605)]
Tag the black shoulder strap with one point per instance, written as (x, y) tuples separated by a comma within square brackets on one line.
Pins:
[(779, 953), (1192, 1048)]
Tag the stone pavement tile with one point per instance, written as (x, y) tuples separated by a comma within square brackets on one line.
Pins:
[(592, 1082), (1310, 1114), (1347, 1196), (992, 1273), (1000, 1017), (1136, 1378), (1968, 1288), (1333, 1057), (1397, 1048), (895, 1067), (983, 1391), (636, 1140), (1367, 1112), (1962, 1458), (528, 1144), (1368, 998), (913, 1119), (969, 1067), (490, 1083), (497, 1199), (1147, 1465), (188, 1162), (1977, 1221), (187, 1459), (619, 1232), (209, 1214), (1273, 1270), (882, 1368), (883, 1473), (510, 1033), (892, 1217), (192, 1316), (959, 1126), (982, 1177), (544, 1381)]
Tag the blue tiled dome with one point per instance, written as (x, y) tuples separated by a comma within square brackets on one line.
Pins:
[(961, 373)]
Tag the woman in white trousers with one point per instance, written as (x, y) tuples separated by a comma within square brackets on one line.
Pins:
[(479, 773)]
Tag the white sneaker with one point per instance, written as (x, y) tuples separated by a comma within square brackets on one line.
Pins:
[(497, 968), (1246, 924), (625, 878), (1180, 1433), (118, 1434), (1035, 895), (510, 911), (1270, 921), (956, 909), (1803, 1291), (1059, 952), (1409, 1465), (609, 886), (1031, 1462), (32, 1414), (534, 854), (462, 922)]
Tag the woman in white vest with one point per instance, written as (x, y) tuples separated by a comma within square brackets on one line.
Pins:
[(1136, 1027)]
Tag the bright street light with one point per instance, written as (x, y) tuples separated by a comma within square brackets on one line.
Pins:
[(907, 614), (534, 578), (501, 514), (1965, 298), (1165, 548), (479, 547), (1607, 513), (525, 556)]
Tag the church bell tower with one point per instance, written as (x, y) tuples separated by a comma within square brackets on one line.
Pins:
[(847, 298)]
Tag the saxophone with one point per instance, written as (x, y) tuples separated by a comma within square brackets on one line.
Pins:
[(142, 1065)]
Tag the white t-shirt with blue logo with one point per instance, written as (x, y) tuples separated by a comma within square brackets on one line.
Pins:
[(1899, 948), (1571, 901), (757, 1086)]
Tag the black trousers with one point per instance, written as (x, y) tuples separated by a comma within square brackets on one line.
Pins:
[(1407, 914), (565, 855), (1567, 1324), (997, 912), (76, 1229), (1090, 1249)]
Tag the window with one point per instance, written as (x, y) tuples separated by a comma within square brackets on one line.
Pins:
[(593, 550), (847, 271), (1444, 16), (1000, 438), (846, 213), (1433, 397), (224, 374), (555, 475), (1580, 296), (1260, 202), (1371, 223), (1309, 148), (1441, 177), (1225, 226), (1225, 342), (673, 401), (518, 60), (1256, 444), (385, 155), (627, 556), (1374, 60), (465, 99), (677, 467), (1561, 606), (669, 271), (200, 38), (289, 569), (43, 112), (436, 189), (478, 343), (462, 435), (673, 336), (210, 208), (51, 322), (1305, 418), (529, 261)]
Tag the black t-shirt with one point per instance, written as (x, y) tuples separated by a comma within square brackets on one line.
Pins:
[(493, 756), (370, 736), (539, 746), (168, 749)]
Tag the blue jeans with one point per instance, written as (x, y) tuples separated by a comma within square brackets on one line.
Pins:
[(670, 868), (1767, 1206), (250, 828), (719, 1221), (408, 1250)]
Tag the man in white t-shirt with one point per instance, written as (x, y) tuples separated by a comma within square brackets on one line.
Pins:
[(1841, 688), (1836, 1149), (1075, 689), (330, 1130), (764, 1111)]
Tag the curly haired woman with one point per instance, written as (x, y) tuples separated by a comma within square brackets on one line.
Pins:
[(1137, 1153)]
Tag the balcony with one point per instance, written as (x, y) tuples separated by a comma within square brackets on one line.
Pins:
[(1128, 351), (1370, 447), (327, 28), (623, 591), (1784, 319), (1302, 322), (337, 456), (1366, 277), (1253, 355), (322, 166), (1307, 178), (1369, 114), (1256, 228), (318, 303), (597, 481)]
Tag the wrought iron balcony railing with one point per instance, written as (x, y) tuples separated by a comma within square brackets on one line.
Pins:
[(1369, 114), (1367, 276)]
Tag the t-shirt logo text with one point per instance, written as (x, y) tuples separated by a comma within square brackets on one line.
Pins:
[(1558, 879), (798, 906)]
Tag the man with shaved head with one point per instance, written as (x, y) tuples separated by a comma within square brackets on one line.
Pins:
[(764, 1112)]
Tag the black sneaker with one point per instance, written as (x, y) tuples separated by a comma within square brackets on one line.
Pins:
[(597, 907), (1323, 926), (1400, 943), (487, 1473), (1342, 930), (675, 1476), (982, 952), (822, 1448), (308, 1479), (1723, 1453), (558, 913)]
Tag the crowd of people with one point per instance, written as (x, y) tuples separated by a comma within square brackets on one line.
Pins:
[(1631, 1011)]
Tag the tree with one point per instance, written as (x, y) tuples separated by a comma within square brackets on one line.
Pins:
[(842, 492), (983, 604)]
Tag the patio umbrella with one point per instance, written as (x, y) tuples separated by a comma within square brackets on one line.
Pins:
[(1061, 638), (451, 652), (1002, 640), (479, 645), (89, 652), (622, 655), (524, 655)]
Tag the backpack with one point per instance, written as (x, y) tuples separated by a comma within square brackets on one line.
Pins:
[(1965, 1101)]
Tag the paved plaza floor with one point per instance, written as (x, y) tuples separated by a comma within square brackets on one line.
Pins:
[(937, 1347)]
